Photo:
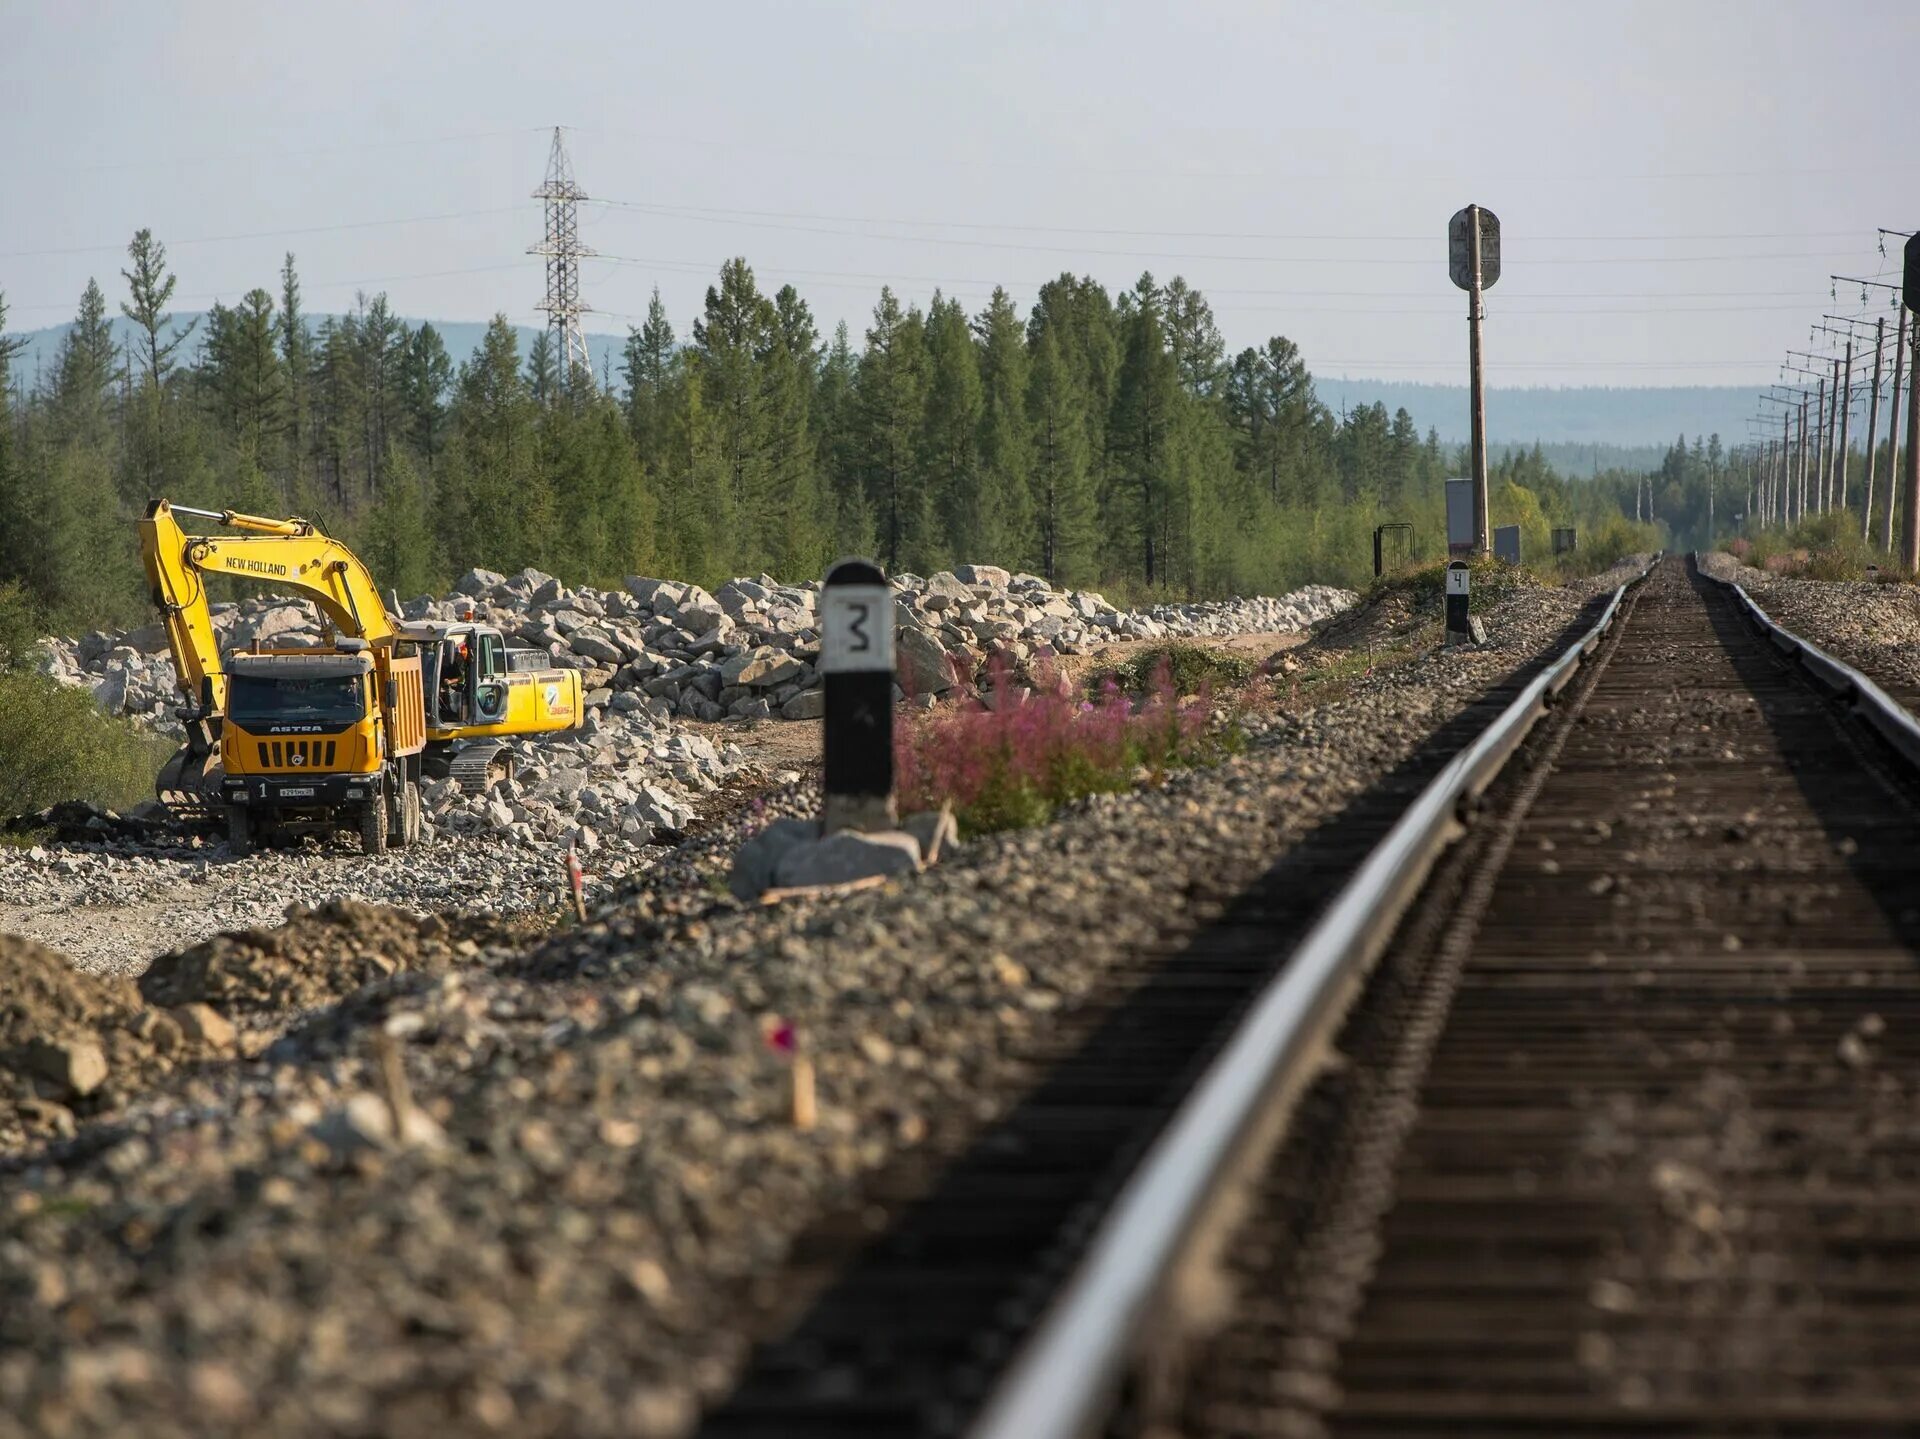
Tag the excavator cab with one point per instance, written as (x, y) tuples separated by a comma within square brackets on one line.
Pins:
[(470, 678)]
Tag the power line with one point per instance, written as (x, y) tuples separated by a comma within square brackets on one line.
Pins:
[(273, 234), (1426, 240), (709, 219)]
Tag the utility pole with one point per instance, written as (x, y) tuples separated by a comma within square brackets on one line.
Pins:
[(1822, 458), (1910, 528), (1476, 313), (1873, 433), (563, 250), (1893, 430), (1800, 507), (1845, 402)]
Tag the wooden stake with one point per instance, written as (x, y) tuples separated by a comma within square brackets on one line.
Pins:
[(805, 1115)]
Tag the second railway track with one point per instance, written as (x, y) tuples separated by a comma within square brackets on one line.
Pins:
[(1650, 1166), (1619, 1135)]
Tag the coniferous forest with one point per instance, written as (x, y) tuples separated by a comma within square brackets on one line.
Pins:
[(1095, 438)]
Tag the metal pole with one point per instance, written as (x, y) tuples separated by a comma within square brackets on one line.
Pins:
[(1819, 447), (1873, 432), (1910, 491), (1893, 432), (1845, 401), (1783, 487), (1800, 502), (1476, 311), (1829, 437)]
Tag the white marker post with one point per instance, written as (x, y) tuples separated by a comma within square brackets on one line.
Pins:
[(1459, 627), (856, 665)]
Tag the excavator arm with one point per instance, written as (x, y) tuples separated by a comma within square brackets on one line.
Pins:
[(289, 554)]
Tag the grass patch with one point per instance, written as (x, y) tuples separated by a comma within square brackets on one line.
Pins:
[(56, 745), (1187, 669), (1013, 766), (1823, 547), (1425, 587)]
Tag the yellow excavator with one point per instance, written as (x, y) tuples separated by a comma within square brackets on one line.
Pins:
[(340, 736)]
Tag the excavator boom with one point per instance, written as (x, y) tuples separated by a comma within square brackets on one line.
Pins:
[(290, 553)]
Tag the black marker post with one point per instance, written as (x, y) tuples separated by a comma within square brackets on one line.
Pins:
[(856, 665), (1459, 627)]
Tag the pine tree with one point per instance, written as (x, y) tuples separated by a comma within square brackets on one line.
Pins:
[(543, 370), (296, 361), (494, 498), (426, 375), (892, 389), (650, 368), (84, 372), (1005, 530), (798, 547), (949, 432), (150, 286), (1065, 510), (13, 509), (840, 446), (732, 340), (1136, 511)]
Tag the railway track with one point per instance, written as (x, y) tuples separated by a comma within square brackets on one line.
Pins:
[(1601, 1121)]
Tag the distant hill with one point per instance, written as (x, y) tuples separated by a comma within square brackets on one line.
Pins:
[(1582, 429), (1588, 415)]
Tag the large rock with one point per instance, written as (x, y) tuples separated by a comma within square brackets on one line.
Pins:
[(597, 645), (807, 705), (755, 861), (982, 575), (272, 624), (945, 590), (921, 663), (847, 856), (76, 1067), (477, 582)]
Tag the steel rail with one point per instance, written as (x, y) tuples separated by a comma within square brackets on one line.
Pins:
[(1063, 1376), (1888, 717)]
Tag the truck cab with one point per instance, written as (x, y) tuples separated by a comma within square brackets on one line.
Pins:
[(314, 740)]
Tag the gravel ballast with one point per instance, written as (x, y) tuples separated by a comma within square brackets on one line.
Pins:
[(1873, 626), (543, 1190)]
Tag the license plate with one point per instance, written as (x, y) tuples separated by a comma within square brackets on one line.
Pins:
[(297, 792)]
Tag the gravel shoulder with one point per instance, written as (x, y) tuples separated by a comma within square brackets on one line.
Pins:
[(457, 1180), (1874, 626)]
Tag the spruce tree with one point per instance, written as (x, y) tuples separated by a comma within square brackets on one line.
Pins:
[(1137, 507), (650, 369), (1065, 510), (892, 389), (296, 362), (732, 341), (949, 433), (1005, 530), (150, 287)]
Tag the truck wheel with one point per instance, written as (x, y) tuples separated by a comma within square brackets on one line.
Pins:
[(239, 830), (416, 814), (397, 815), (373, 827)]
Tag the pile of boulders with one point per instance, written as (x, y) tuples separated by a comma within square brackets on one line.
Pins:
[(662, 648), (626, 777)]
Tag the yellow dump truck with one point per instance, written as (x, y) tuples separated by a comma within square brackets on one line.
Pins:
[(340, 736)]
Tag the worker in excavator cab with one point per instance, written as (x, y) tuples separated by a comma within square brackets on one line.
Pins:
[(455, 678)]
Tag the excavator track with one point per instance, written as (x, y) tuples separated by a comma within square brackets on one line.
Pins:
[(478, 767)]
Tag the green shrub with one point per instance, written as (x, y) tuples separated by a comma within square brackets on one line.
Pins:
[(55, 745), (1189, 669), (1823, 547)]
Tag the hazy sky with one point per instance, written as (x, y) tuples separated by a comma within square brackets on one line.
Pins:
[(1676, 180)]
